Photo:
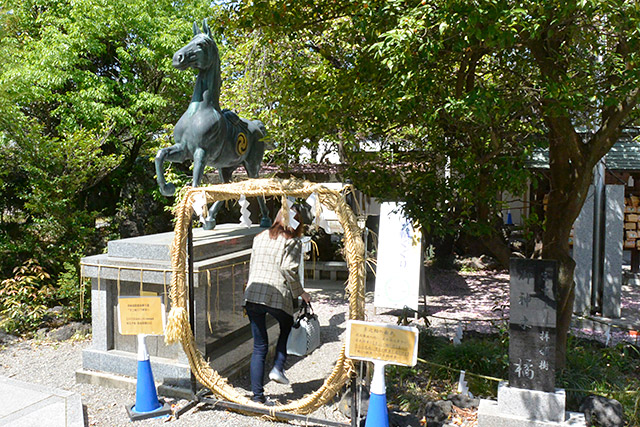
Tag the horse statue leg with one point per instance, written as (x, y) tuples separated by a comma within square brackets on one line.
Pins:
[(210, 222), (175, 154), (265, 221), (199, 156), (252, 164)]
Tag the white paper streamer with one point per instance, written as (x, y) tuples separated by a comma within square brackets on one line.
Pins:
[(292, 212), (316, 210), (245, 215), (462, 385), (200, 205)]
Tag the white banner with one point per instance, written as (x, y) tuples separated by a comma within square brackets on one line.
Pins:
[(399, 258)]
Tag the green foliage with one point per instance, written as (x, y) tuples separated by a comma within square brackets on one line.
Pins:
[(87, 94), (357, 76), (73, 294), (24, 298), (476, 355), (613, 372), (591, 368)]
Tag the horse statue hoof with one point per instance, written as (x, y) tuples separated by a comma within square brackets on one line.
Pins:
[(168, 190), (265, 222), (209, 224)]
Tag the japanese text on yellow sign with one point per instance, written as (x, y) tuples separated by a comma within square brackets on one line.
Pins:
[(141, 315), (379, 341)]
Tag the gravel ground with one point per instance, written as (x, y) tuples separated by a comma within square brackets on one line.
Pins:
[(54, 364), (471, 297)]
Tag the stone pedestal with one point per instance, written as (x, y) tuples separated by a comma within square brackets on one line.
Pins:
[(613, 242), (141, 265), (583, 253), (517, 407), (583, 256)]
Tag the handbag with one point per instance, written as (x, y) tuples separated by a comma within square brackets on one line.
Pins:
[(305, 332)]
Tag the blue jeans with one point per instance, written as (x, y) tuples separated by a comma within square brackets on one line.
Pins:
[(257, 319)]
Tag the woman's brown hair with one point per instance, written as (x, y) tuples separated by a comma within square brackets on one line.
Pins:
[(278, 228)]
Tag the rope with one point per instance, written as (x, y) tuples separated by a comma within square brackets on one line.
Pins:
[(209, 301), (485, 377), (82, 286), (449, 368), (178, 329)]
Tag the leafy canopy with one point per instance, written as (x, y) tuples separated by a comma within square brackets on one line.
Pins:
[(86, 88)]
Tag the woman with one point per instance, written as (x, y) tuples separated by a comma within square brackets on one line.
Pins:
[(273, 285)]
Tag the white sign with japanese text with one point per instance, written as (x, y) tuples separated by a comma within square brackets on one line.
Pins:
[(399, 260)]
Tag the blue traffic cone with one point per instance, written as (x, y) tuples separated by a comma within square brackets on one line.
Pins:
[(146, 395), (377, 414), (147, 404), (509, 219)]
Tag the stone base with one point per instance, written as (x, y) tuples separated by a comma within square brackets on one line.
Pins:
[(167, 371), (138, 264), (518, 407), (118, 369), (531, 404), (489, 416)]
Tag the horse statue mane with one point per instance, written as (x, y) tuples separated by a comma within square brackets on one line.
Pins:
[(208, 135)]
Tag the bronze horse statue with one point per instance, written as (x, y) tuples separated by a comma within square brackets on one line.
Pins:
[(208, 135)]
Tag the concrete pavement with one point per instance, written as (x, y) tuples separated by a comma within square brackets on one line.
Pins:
[(33, 405)]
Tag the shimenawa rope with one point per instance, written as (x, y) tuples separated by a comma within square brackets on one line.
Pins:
[(178, 328)]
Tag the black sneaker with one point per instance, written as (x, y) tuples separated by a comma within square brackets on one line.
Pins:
[(259, 399)]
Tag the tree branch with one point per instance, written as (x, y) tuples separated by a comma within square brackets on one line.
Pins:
[(612, 118), (323, 52)]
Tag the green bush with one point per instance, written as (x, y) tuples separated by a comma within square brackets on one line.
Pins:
[(613, 372), (480, 355), (592, 367), (24, 298), (73, 295)]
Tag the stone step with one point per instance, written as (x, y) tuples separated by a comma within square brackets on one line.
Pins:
[(224, 239)]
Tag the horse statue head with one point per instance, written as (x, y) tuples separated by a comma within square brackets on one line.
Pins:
[(202, 54)]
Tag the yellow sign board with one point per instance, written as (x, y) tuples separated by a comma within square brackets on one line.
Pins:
[(382, 342), (141, 315)]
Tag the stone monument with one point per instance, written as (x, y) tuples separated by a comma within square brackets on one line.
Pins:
[(141, 266), (530, 399), (613, 252)]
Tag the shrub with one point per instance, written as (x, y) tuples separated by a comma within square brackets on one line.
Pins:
[(73, 295), (592, 367), (24, 298)]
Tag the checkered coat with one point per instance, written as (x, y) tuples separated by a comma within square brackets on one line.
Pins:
[(273, 272)]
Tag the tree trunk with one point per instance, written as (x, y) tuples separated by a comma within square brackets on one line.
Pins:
[(569, 183), (556, 247), (493, 242), (498, 248)]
